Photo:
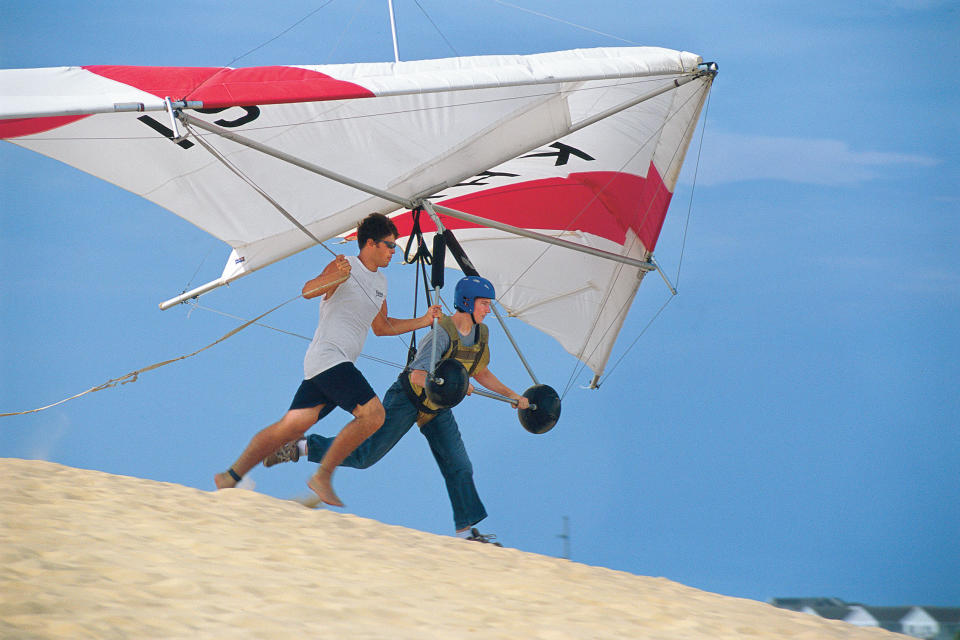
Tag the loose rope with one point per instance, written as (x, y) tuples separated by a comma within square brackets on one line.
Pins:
[(133, 376)]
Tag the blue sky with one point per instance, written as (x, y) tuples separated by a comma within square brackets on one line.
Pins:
[(788, 426)]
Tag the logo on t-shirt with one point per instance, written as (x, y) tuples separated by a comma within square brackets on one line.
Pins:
[(380, 294)]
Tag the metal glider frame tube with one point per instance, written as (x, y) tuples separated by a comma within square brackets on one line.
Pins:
[(494, 224), (516, 347), (194, 293), (393, 30), (676, 84), (112, 107), (663, 275), (497, 396)]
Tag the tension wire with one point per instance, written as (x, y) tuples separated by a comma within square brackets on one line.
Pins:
[(683, 243)]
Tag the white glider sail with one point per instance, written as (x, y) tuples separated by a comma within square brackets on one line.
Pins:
[(584, 146)]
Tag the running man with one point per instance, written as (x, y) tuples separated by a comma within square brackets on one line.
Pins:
[(462, 336), (354, 294)]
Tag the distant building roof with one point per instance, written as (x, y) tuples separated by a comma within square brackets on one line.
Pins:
[(887, 615), (831, 613), (944, 615), (799, 604), (891, 618)]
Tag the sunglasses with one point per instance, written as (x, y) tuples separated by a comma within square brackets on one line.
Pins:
[(390, 245)]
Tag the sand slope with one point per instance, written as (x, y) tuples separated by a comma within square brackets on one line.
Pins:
[(87, 554)]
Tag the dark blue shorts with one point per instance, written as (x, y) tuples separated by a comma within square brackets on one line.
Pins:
[(341, 386)]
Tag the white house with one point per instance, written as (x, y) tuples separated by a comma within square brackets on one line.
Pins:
[(919, 624), (928, 623)]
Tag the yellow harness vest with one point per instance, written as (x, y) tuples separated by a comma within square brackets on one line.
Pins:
[(473, 358)]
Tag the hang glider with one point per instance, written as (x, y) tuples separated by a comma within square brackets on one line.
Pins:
[(554, 170)]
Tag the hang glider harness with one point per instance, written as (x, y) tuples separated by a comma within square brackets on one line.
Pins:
[(543, 399), (448, 378)]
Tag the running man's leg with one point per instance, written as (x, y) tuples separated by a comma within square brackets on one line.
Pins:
[(451, 455), (400, 416), (368, 417), (290, 427)]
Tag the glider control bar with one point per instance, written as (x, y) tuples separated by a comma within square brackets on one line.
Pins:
[(464, 262), (497, 396)]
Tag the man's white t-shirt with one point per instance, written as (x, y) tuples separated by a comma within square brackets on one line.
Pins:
[(345, 319)]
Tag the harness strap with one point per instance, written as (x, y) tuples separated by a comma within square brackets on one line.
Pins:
[(422, 258), (471, 357), (422, 253)]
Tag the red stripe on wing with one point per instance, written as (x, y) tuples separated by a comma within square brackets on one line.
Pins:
[(216, 87), (601, 203), (18, 127), (221, 87)]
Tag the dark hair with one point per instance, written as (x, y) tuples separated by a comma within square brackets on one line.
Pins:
[(376, 227)]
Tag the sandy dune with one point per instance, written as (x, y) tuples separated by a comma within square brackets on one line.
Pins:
[(87, 554)]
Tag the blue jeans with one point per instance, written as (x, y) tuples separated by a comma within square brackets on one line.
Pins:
[(442, 434)]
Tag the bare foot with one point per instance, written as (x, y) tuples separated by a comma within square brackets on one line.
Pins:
[(321, 485), (224, 481)]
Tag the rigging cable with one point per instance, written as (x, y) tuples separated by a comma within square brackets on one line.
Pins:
[(628, 302), (259, 46), (566, 22), (336, 45), (683, 244), (424, 11), (696, 170), (197, 305), (197, 270), (240, 174)]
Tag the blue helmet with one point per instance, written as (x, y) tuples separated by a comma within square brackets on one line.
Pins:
[(468, 289)]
